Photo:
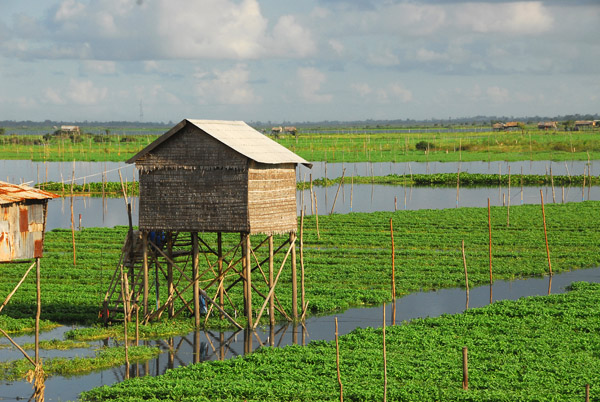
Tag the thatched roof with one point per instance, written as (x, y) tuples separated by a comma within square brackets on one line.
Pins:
[(238, 136)]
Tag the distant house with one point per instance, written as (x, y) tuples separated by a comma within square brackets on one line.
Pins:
[(291, 130), (498, 126), (511, 125), (547, 125), (69, 130), (277, 130), (584, 125)]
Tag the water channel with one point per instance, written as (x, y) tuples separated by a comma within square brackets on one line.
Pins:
[(96, 212), (207, 345)]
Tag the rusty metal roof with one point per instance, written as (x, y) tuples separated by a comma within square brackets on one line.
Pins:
[(10, 193), (238, 136)]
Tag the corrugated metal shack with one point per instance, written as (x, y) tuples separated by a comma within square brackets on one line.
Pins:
[(22, 221), (212, 176)]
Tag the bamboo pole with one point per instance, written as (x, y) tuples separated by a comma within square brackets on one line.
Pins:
[(195, 286), (271, 284), (587, 392), (302, 291), (466, 273), (508, 205), (38, 311), (145, 270), (385, 381), (311, 196), (294, 277), (124, 321), (73, 219), (351, 190), (583, 185), (337, 361), (552, 182), (338, 191), (457, 185), (490, 241), (272, 290), (220, 267), (16, 345), (393, 261), (546, 233), (317, 216), (465, 382)]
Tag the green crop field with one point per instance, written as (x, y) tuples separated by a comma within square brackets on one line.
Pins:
[(353, 251), (348, 146), (533, 349)]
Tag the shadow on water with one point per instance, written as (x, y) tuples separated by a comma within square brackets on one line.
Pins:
[(209, 345)]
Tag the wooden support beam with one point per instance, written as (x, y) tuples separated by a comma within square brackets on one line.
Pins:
[(271, 284), (145, 270), (196, 287), (248, 275), (294, 277), (220, 266), (170, 288), (272, 290)]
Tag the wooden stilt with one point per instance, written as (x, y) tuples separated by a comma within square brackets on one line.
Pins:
[(248, 281), (196, 289), (220, 267), (145, 270), (38, 311), (302, 293), (271, 284), (294, 278), (170, 287)]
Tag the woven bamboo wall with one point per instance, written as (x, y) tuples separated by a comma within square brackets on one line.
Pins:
[(272, 198), (193, 183)]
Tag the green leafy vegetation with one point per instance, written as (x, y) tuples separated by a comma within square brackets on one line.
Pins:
[(105, 358), (352, 251), (352, 145), (534, 349)]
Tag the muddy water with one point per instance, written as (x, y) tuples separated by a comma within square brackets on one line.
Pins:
[(207, 345)]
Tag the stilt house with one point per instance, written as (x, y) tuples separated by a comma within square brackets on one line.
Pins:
[(206, 176), (22, 221), (217, 176)]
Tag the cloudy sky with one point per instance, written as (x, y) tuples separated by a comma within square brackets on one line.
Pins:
[(307, 60)]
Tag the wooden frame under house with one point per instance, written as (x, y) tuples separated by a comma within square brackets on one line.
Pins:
[(207, 177)]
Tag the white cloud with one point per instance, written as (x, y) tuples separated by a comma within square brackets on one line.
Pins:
[(226, 86), (79, 92), (99, 67), (291, 39), (362, 89), (504, 18), (310, 81), (400, 92), (497, 94), (336, 46)]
